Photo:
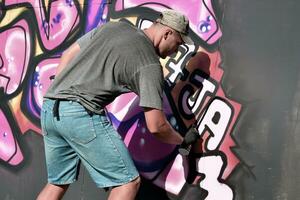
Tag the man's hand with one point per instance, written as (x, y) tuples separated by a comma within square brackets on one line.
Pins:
[(191, 136)]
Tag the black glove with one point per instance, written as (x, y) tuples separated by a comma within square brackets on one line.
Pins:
[(191, 136)]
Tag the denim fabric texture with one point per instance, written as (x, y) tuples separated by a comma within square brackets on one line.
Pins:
[(78, 138)]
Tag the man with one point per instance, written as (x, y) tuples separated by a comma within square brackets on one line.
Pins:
[(106, 62)]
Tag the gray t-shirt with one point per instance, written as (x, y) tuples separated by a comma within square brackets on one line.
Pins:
[(114, 59)]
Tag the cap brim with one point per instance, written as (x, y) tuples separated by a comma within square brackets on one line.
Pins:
[(186, 39)]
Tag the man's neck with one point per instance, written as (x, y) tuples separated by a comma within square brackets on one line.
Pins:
[(150, 33)]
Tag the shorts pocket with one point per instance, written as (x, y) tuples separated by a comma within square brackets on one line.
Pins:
[(103, 124), (82, 129)]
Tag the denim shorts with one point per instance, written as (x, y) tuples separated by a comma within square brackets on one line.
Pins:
[(78, 137)]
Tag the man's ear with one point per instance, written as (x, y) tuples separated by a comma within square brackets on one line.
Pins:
[(165, 35), (167, 32)]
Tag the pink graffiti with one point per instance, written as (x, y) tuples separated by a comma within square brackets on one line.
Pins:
[(62, 20), (43, 74), (174, 176), (9, 149), (156, 161), (200, 13), (14, 56), (216, 72)]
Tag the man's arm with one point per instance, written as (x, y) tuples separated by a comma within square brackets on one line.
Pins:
[(67, 56), (159, 126)]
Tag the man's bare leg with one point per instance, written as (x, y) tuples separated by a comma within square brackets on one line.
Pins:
[(52, 192), (125, 192)]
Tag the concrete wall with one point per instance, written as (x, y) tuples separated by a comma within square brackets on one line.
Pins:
[(239, 83)]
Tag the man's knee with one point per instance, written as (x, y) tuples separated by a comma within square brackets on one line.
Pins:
[(51, 191)]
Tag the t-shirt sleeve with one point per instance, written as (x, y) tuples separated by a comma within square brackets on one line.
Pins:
[(84, 40), (149, 82)]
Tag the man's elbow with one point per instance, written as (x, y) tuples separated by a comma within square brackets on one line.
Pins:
[(156, 121), (153, 130), (156, 129)]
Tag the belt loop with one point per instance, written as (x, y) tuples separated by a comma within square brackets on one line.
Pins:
[(91, 113), (56, 109)]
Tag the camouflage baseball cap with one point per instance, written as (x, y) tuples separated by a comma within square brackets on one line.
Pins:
[(178, 22)]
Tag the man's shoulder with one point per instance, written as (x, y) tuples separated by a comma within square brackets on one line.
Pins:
[(121, 23)]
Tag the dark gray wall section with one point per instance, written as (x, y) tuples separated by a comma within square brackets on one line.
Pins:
[(260, 49)]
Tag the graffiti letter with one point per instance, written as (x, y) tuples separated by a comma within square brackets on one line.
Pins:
[(205, 87), (175, 68), (211, 167), (215, 119)]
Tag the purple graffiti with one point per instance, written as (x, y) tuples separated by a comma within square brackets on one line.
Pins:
[(70, 2), (14, 52), (128, 119), (200, 13), (57, 18), (97, 14), (63, 19)]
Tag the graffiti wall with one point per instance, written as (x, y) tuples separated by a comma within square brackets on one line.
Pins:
[(33, 35)]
